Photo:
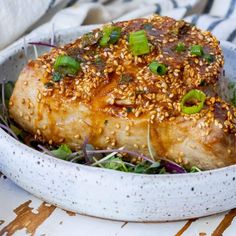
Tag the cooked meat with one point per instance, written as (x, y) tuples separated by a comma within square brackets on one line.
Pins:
[(115, 95)]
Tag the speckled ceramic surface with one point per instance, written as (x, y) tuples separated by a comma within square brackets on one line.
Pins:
[(107, 193)]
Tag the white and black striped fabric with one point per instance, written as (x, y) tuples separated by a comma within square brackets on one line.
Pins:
[(18, 17)]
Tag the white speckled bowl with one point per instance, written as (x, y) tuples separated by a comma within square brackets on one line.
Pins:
[(107, 193)]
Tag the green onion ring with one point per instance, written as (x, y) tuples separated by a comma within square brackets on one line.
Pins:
[(138, 43), (157, 68), (67, 65), (196, 50), (111, 35), (193, 95)]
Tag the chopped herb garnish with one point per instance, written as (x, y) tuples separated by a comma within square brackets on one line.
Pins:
[(48, 85), (180, 47), (157, 68), (129, 109), (66, 65), (196, 50), (125, 79), (174, 31), (111, 35), (90, 38), (203, 83), (56, 76), (100, 63), (62, 152), (98, 60), (140, 92), (209, 58), (148, 26), (138, 43), (192, 102), (115, 35)]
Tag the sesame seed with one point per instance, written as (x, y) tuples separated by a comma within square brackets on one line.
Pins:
[(118, 126), (127, 128), (27, 117), (100, 130)]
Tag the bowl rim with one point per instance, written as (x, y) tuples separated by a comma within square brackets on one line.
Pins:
[(6, 53)]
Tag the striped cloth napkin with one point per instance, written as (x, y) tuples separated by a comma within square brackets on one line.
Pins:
[(33, 17)]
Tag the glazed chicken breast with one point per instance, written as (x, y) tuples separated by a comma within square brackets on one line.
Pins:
[(126, 83)]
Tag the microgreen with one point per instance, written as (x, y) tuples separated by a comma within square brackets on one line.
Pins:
[(194, 169), (149, 145), (62, 151)]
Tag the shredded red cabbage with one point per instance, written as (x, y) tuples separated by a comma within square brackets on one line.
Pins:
[(42, 44), (172, 167), (8, 130), (85, 151)]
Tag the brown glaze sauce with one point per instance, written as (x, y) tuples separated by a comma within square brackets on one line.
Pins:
[(25, 218)]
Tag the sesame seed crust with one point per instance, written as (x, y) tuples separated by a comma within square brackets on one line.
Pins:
[(114, 96), (155, 96)]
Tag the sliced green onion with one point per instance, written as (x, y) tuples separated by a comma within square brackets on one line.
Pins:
[(157, 68), (90, 38), (138, 43), (196, 50), (148, 26), (192, 102), (56, 76), (67, 65), (111, 35), (125, 79), (180, 47), (209, 58)]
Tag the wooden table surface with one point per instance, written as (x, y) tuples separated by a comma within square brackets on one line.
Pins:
[(23, 214)]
